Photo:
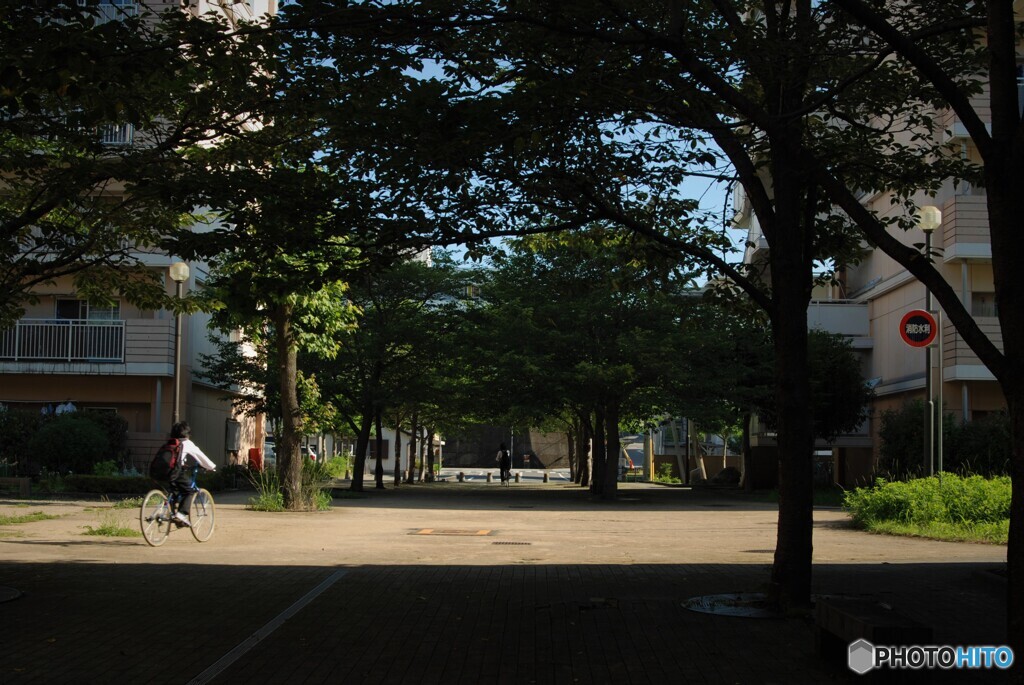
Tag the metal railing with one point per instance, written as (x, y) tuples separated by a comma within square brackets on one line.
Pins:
[(68, 340), (116, 134)]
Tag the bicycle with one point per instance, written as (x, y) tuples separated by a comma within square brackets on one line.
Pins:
[(155, 514)]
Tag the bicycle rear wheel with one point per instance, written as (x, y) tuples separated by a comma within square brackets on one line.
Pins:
[(202, 515), (155, 518)]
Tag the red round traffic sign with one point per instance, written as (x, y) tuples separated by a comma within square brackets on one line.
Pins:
[(917, 328)]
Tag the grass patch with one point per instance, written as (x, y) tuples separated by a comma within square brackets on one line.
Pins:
[(314, 494), (991, 533), (971, 509), (128, 503), (112, 525), (26, 518)]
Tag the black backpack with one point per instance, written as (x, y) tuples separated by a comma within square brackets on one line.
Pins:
[(166, 465)]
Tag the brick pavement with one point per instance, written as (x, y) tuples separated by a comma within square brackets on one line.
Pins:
[(590, 593)]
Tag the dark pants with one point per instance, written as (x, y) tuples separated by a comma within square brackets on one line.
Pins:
[(181, 494)]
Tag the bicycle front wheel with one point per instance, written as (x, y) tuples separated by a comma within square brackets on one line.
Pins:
[(155, 518), (202, 515)]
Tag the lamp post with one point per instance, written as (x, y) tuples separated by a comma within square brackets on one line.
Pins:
[(179, 274), (928, 219)]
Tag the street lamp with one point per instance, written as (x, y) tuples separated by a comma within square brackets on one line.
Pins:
[(928, 219), (179, 274)]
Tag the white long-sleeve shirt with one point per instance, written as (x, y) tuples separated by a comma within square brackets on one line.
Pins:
[(190, 449)]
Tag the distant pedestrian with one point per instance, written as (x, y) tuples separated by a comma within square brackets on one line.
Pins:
[(504, 461)]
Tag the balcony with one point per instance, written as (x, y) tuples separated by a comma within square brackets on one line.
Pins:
[(67, 340), (965, 232), (958, 360), (116, 134), (48, 346), (844, 317)]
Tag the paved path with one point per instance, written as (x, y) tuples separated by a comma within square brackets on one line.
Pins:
[(458, 583)]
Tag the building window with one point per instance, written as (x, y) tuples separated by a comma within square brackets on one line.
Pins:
[(69, 309), (984, 304)]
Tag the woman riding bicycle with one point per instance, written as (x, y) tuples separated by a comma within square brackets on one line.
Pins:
[(180, 485)]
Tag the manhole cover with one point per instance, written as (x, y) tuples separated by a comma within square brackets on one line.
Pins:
[(743, 604), (8, 593), (511, 543), (449, 531)]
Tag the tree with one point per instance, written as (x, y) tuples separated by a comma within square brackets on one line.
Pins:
[(390, 361), (94, 114)]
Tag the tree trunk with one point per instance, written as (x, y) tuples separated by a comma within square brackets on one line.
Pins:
[(586, 452), (414, 433), (398, 450), (290, 466), (431, 455), (611, 467), (424, 439), (362, 444), (1015, 542), (791, 264), (748, 459), (572, 454), (599, 452), (379, 452)]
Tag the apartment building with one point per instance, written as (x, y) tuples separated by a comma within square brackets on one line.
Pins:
[(115, 357), (873, 296)]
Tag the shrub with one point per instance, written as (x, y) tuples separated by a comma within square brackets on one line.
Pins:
[(981, 446), (105, 468), (115, 428), (268, 491), (337, 466), (314, 492), (16, 429), (68, 443), (665, 475), (902, 438), (926, 500)]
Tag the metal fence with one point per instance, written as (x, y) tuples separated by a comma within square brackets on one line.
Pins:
[(70, 340)]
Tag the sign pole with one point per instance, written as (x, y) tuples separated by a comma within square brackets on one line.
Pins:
[(918, 329)]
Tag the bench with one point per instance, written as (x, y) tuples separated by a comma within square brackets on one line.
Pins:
[(843, 620), (24, 484)]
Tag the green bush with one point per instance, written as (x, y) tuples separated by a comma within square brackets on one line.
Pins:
[(921, 501), (977, 447), (314, 493), (666, 474), (337, 466), (901, 432), (981, 446), (68, 443), (105, 468), (16, 429)]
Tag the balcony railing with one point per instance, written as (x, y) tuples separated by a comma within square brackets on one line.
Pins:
[(116, 134), (67, 340)]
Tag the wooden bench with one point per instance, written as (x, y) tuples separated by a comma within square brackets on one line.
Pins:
[(841, 621), (24, 484)]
